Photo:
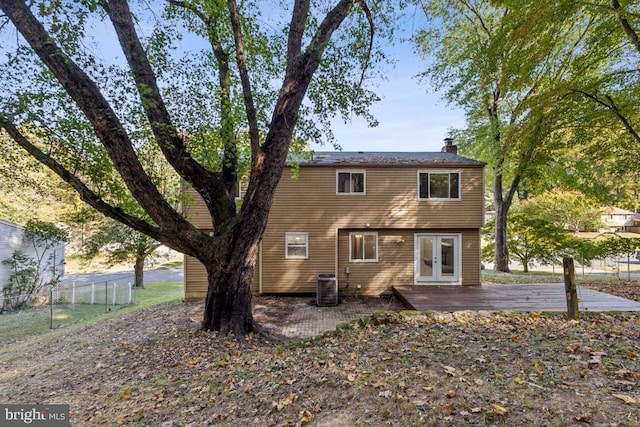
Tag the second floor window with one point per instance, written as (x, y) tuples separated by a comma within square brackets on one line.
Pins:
[(439, 185), (350, 182)]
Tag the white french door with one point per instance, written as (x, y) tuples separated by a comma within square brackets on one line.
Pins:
[(437, 258)]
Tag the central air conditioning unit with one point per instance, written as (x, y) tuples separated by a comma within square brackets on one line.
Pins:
[(327, 290)]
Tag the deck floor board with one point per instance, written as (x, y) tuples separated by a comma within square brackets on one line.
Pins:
[(508, 297)]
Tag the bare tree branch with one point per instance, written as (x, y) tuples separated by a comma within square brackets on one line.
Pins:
[(86, 194), (626, 26), (104, 120), (613, 107), (173, 147), (247, 92), (230, 156), (367, 12)]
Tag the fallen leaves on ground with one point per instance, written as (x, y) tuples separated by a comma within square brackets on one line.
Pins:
[(153, 367)]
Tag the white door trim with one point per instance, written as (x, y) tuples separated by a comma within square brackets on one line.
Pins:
[(438, 276)]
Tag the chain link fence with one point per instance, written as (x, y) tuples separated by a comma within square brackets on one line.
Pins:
[(105, 293)]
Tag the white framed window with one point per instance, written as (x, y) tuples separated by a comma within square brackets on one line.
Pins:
[(439, 185), (351, 181), (296, 245), (363, 246)]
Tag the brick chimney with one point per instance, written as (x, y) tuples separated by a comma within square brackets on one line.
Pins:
[(449, 146)]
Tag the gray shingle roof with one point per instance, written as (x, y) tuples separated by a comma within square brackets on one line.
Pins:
[(387, 158)]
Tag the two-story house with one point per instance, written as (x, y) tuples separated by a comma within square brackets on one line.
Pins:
[(616, 219), (372, 220)]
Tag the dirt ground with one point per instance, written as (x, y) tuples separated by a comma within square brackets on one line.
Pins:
[(153, 367)]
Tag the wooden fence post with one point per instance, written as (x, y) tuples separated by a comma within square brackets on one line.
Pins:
[(570, 288)]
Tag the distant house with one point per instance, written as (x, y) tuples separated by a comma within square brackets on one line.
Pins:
[(635, 228), (616, 219), (12, 239), (370, 220)]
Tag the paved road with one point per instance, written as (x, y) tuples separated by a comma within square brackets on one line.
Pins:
[(150, 276)]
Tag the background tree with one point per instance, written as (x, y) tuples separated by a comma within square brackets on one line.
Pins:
[(530, 239), (597, 154), (606, 73), (570, 210), (615, 246), (584, 251), (321, 54), (550, 91), (121, 244), (28, 190), (598, 163), (603, 93), (503, 63)]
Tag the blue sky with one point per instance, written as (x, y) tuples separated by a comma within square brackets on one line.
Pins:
[(412, 116)]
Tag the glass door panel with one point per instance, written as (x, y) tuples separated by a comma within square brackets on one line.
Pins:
[(426, 258), (447, 257)]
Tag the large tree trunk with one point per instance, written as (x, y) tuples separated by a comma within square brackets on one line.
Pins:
[(502, 205), (501, 254), (230, 255), (228, 306), (501, 262)]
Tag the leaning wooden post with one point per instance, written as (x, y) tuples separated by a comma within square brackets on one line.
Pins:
[(570, 287)]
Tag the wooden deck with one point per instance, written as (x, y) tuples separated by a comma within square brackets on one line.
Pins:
[(529, 297)]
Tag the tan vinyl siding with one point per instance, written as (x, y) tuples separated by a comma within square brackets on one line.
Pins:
[(195, 210), (195, 277), (395, 265), (390, 207), (309, 203), (295, 275), (391, 201)]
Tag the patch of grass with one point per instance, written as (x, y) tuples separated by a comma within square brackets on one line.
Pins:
[(37, 320), (495, 277), (171, 264), (157, 293)]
